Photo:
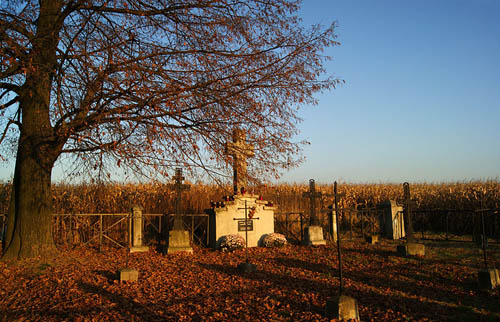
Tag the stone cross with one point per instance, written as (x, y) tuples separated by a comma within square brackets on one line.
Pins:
[(240, 151), (312, 194), (179, 187)]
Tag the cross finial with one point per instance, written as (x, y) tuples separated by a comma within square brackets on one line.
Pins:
[(240, 151)]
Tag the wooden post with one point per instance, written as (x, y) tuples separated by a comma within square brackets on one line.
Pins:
[(100, 233)]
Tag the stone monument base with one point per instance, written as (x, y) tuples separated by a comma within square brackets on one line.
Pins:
[(178, 241), (488, 278), (371, 239), (128, 274), (342, 308), (313, 236), (139, 249), (411, 249)]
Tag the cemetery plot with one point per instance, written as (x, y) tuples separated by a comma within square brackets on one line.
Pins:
[(291, 283)]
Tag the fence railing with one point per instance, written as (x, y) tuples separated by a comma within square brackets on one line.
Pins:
[(113, 229)]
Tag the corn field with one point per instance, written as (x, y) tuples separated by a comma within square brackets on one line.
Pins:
[(458, 199)]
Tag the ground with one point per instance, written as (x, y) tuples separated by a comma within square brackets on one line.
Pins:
[(292, 284)]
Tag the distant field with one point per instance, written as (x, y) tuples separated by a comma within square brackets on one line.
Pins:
[(159, 198)]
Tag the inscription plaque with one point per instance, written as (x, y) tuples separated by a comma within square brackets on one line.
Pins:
[(245, 225)]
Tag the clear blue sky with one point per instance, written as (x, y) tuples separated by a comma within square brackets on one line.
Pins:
[(422, 95)]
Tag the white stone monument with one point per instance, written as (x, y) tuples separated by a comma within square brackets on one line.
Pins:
[(228, 216), (391, 220), (137, 226)]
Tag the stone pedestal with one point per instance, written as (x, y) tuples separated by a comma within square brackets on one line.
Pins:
[(488, 278), (411, 249), (228, 217), (371, 239), (128, 274), (178, 241), (313, 236), (391, 220), (342, 308), (137, 231)]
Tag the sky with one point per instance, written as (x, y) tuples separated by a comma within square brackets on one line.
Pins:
[(421, 99), (421, 102)]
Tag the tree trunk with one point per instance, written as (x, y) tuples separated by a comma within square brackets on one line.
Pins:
[(29, 225)]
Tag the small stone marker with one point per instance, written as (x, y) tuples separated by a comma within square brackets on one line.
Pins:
[(178, 237), (313, 234), (340, 306), (137, 222), (128, 274)]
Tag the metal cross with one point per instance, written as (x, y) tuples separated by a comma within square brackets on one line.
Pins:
[(312, 194), (240, 151), (179, 187), (336, 197), (246, 227)]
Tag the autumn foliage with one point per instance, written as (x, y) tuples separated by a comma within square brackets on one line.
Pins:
[(292, 283)]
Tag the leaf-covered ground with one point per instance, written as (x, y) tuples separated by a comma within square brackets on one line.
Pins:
[(292, 284)]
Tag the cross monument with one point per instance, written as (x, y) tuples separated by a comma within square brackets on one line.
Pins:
[(312, 194), (240, 150), (178, 186)]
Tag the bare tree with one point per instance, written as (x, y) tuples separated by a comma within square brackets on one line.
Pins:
[(147, 84)]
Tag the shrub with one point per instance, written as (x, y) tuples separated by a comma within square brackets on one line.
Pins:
[(274, 240), (228, 243)]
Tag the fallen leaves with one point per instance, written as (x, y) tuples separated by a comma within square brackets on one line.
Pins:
[(292, 283)]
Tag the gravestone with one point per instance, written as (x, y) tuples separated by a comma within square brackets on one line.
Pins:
[(313, 234), (137, 223), (411, 247), (128, 274), (227, 216), (178, 237), (391, 220)]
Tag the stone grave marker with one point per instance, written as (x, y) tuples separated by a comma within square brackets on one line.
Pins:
[(391, 220), (137, 226), (313, 234), (411, 247), (178, 237)]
